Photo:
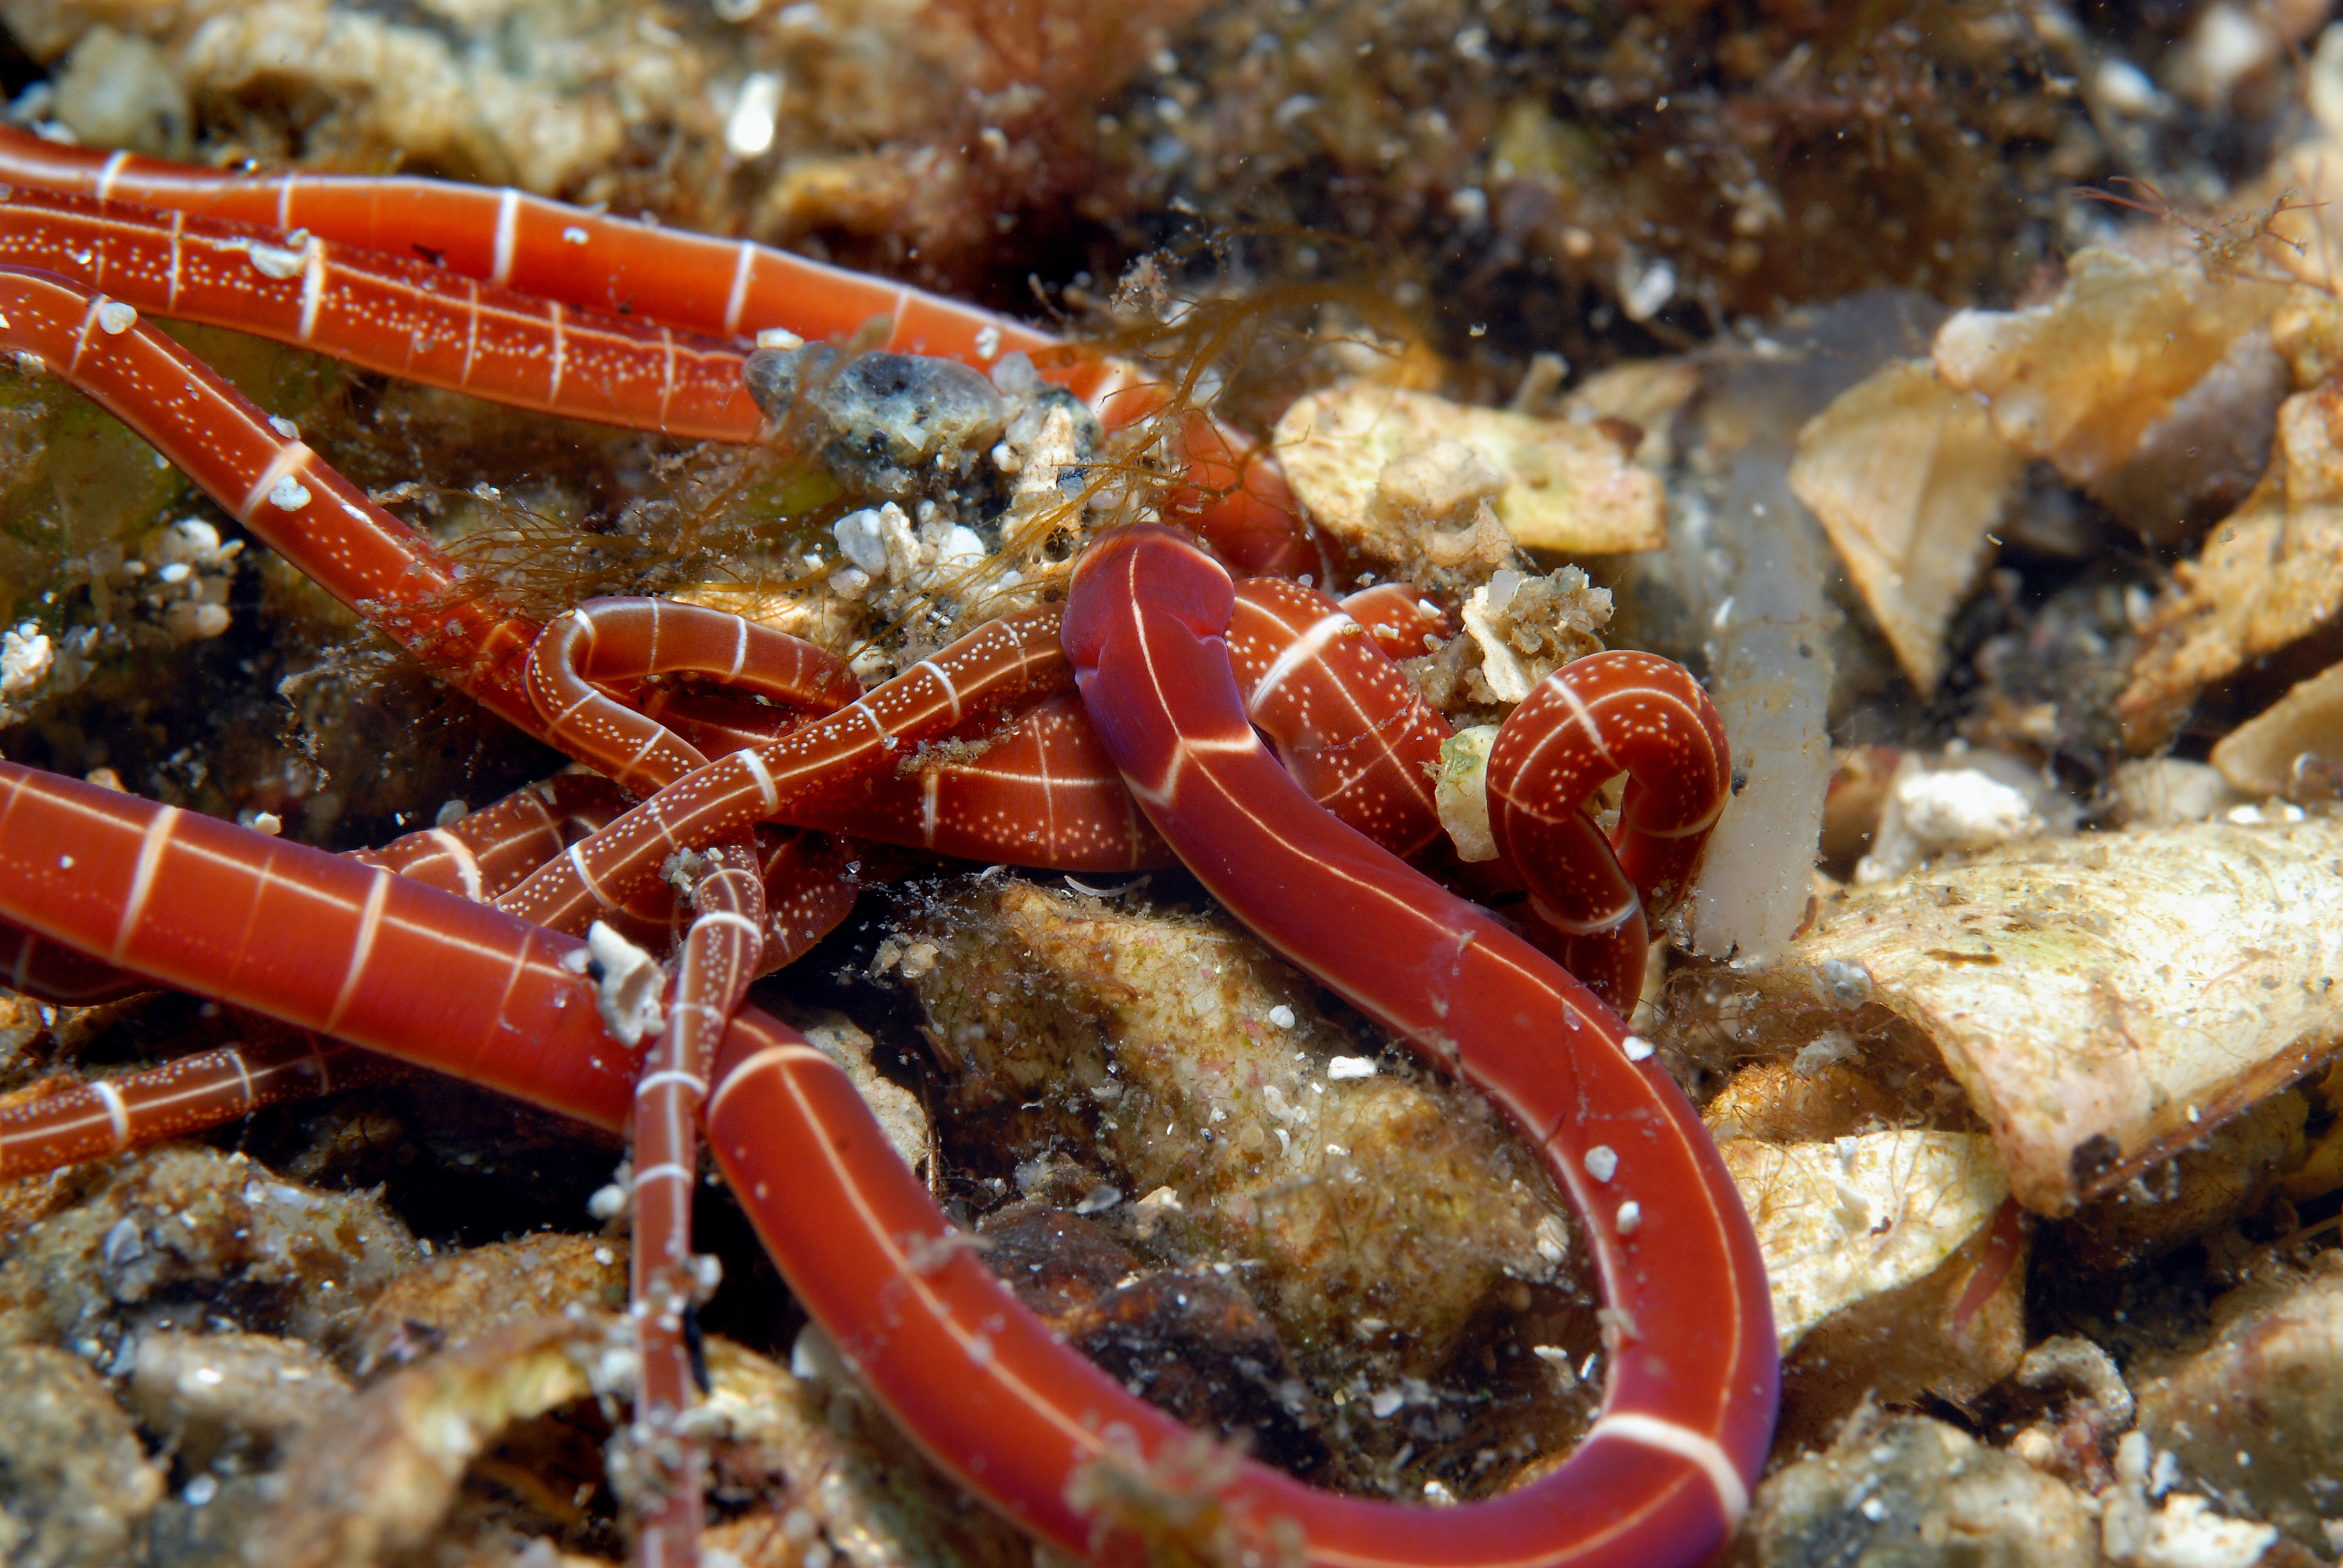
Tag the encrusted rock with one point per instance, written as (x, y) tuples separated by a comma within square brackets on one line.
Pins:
[(205, 1391), (1183, 1058), (76, 1484), (379, 1478), (2255, 1418), (453, 1300), (166, 1222), (1905, 1492), (876, 417)]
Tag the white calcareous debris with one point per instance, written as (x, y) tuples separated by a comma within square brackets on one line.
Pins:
[(631, 988), (2183, 1532), (1961, 803), (186, 572), (1842, 1220), (2107, 1001), (1461, 795), (1377, 466), (1909, 478), (1527, 626), (26, 656), (1906, 1489)]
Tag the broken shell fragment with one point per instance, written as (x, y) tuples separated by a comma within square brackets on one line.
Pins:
[(2294, 748), (1462, 794), (2080, 380), (1857, 1216), (1378, 467), (1909, 479), (2271, 576), (2105, 1001)]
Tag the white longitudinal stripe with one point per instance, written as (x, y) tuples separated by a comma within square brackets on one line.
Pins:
[(110, 172), (313, 286), (929, 783), (745, 255), (651, 1080), (650, 743), (508, 227), (467, 868), (361, 949), (178, 259), (561, 351), (118, 1115), (1651, 1431), (667, 1170), (767, 791), (285, 201), (1302, 650), (944, 680), (908, 1276), (159, 828), (289, 459), (739, 646), (593, 888), (1584, 717)]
